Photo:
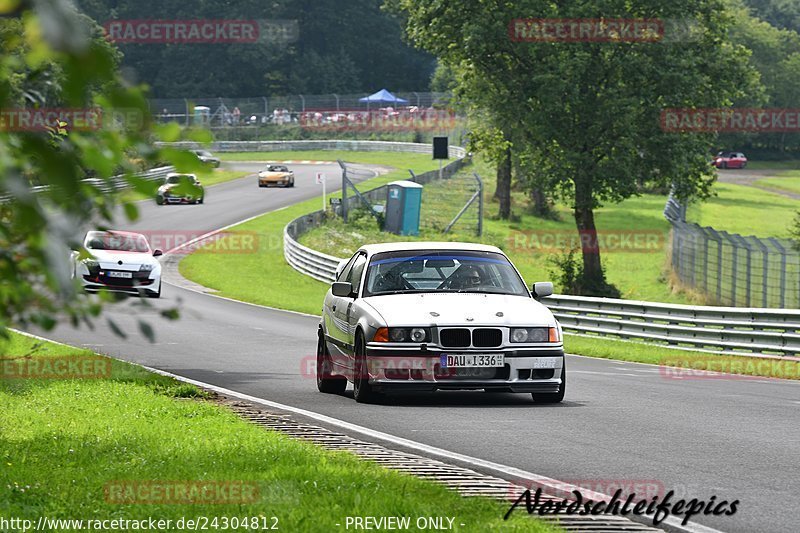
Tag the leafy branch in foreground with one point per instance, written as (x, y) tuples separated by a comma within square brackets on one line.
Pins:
[(56, 67)]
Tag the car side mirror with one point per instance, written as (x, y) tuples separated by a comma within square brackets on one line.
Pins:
[(542, 289), (156, 253), (342, 288)]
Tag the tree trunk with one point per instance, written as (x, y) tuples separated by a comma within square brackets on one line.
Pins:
[(503, 191), (541, 205), (593, 277)]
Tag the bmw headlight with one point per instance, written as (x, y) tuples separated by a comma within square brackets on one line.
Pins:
[(403, 335), (534, 335), (418, 334)]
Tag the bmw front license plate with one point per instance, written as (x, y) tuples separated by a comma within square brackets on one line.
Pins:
[(471, 360), (545, 362), (120, 274)]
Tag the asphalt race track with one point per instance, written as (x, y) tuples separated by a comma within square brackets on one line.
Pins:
[(620, 423)]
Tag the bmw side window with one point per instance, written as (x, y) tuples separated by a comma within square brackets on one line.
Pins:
[(356, 271), (345, 273)]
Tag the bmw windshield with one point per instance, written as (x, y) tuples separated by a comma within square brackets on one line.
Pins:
[(421, 271)]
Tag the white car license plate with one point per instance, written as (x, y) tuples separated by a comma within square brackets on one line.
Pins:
[(471, 360), (544, 362), (120, 274)]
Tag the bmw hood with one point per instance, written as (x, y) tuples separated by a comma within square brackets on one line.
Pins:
[(466, 309), (115, 259)]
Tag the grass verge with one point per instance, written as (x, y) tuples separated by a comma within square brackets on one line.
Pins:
[(774, 165), (64, 443), (742, 209), (785, 182)]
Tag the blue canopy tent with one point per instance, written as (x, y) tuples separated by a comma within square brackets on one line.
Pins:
[(383, 97)]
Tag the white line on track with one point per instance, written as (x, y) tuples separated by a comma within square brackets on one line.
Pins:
[(512, 473)]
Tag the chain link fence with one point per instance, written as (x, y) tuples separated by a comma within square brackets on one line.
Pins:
[(453, 204), (733, 269)]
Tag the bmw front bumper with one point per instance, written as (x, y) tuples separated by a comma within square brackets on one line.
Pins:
[(413, 369)]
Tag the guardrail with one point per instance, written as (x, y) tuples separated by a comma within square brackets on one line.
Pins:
[(731, 330), (455, 152), (115, 183), (302, 258)]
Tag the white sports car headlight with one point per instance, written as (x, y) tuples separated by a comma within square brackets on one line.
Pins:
[(146, 268)]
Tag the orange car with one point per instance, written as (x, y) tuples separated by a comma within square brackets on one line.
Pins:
[(276, 175)]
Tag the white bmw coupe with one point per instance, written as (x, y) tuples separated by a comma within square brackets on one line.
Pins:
[(433, 316)]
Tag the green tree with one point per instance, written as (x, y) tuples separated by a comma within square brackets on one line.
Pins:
[(55, 57), (341, 46), (592, 109), (780, 13), (772, 50)]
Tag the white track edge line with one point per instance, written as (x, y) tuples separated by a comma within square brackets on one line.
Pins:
[(516, 473)]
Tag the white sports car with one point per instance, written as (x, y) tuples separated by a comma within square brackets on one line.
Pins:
[(433, 316), (121, 261)]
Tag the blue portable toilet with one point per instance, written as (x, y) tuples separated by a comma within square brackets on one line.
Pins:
[(403, 203)]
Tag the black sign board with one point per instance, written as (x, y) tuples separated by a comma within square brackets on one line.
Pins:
[(440, 148)]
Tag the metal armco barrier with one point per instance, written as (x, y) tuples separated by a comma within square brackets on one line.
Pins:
[(302, 258), (734, 330), (455, 152), (114, 183)]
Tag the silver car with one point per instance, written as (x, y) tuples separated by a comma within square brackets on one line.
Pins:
[(432, 316)]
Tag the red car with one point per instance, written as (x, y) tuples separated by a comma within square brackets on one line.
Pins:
[(730, 160)]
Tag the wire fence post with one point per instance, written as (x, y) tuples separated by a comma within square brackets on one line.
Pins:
[(344, 190), (782, 251), (748, 267), (480, 204), (764, 269)]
